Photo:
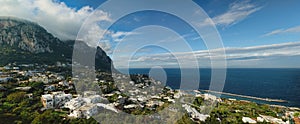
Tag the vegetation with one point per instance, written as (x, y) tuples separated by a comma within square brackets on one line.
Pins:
[(16, 97), (15, 107), (14, 54), (233, 111)]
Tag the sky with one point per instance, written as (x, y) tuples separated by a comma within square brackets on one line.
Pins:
[(254, 34)]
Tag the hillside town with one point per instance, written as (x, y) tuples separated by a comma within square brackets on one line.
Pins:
[(54, 89)]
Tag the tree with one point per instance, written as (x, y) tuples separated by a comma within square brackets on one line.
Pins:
[(16, 97), (48, 117), (36, 85)]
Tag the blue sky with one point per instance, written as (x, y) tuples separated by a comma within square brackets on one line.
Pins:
[(255, 34), (250, 31)]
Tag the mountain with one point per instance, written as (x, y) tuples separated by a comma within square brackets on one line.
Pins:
[(25, 42)]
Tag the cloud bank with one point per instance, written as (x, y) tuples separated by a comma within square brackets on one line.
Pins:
[(237, 12), (295, 29), (58, 19), (236, 56)]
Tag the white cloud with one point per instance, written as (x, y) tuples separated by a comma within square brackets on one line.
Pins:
[(59, 19), (237, 12), (295, 29), (119, 35), (106, 46), (242, 55)]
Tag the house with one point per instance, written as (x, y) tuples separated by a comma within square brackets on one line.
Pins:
[(102, 81), (23, 88), (107, 106), (260, 119), (16, 68), (60, 98), (63, 83), (74, 103), (2, 88), (130, 106), (248, 120), (29, 95), (141, 98), (194, 113), (169, 99), (85, 107), (55, 100), (297, 120), (178, 95), (131, 82), (85, 111), (7, 68), (209, 97), (154, 103), (49, 88), (89, 110), (75, 114), (22, 82), (43, 79), (89, 93), (272, 119), (155, 97), (47, 101), (5, 80), (59, 77), (93, 99)]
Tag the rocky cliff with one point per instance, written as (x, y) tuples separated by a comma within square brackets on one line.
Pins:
[(23, 42)]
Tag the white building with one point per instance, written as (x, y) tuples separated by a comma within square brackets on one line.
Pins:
[(60, 98), (63, 83), (85, 107), (29, 95), (43, 79), (169, 99), (194, 113), (55, 100), (89, 110), (107, 106), (47, 101), (153, 103), (2, 88), (248, 120), (131, 106), (178, 95), (74, 103), (209, 97), (16, 68), (5, 80), (85, 111), (93, 99), (49, 88), (273, 119), (23, 88), (89, 93)]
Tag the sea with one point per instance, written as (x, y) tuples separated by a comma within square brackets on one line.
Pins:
[(272, 83)]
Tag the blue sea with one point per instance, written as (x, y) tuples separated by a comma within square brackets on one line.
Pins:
[(264, 83)]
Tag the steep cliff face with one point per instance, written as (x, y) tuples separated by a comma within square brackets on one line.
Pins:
[(83, 55), (24, 42), (25, 35)]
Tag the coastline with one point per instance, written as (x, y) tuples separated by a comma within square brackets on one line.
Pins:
[(245, 96), (270, 83), (268, 101)]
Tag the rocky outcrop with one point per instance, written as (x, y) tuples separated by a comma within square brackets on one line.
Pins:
[(23, 41), (25, 35)]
